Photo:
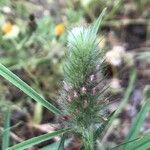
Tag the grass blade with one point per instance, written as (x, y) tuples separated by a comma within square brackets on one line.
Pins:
[(15, 80), (138, 121), (98, 22), (62, 142), (6, 131), (102, 127), (125, 99), (36, 140), (141, 143), (126, 95), (117, 5)]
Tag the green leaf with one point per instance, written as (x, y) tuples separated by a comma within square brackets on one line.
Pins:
[(98, 22), (15, 80), (36, 140), (62, 142), (138, 121), (141, 143), (102, 127), (122, 144), (6, 131), (116, 7)]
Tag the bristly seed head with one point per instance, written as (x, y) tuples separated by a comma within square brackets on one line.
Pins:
[(82, 78)]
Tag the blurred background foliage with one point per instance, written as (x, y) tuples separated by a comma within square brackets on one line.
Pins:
[(33, 41)]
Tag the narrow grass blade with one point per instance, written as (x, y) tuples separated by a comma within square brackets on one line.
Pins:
[(98, 22), (102, 127), (126, 95), (6, 131), (15, 80), (141, 143), (138, 121), (62, 142), (116, 7), (36, 140), (119, 147), (125, 99)]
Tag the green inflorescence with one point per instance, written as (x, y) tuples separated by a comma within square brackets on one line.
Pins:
[(82, 96)]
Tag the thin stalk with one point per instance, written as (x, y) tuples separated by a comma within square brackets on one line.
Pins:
[(88, 139), (124, 101)]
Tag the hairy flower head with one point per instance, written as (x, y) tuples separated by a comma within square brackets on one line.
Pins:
[(81, 91)]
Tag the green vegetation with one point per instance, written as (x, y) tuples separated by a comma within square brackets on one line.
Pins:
[(65, 82)]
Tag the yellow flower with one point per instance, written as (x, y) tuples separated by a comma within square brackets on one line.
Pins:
[(10, 31), (7, 27), (59, 29)]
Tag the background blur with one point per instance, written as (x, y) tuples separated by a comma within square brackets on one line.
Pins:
[(33, 41)]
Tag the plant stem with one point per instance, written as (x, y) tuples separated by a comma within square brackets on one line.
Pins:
[(88, 139)]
